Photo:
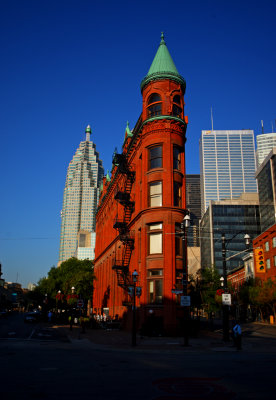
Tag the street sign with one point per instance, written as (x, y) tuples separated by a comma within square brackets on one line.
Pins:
[(226, 299), (185, 301), (177, 291), (80, 303)]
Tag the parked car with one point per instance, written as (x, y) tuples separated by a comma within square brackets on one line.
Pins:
[(32, 317)]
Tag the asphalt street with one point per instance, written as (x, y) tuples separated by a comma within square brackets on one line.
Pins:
[(40, 361)]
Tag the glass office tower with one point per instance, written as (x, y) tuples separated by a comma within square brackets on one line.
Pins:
[(193, 204), (265, 144), (266, 177), (234, 218), (227, 165), (80, 199)]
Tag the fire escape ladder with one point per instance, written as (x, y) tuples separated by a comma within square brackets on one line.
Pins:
[(123, 197)]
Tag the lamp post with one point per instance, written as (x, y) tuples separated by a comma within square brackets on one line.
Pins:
[(134, 281), (184, 226), (225, 307), (72, 318)]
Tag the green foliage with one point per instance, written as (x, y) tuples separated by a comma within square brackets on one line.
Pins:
[(72, 272), (259, 294), (209, 284)]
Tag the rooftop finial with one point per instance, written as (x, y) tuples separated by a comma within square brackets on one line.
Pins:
[(162, 38), (128, 131), (107, 177), (88, 133)]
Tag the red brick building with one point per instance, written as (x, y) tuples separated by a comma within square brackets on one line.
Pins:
[(265, 254), (143, 204)]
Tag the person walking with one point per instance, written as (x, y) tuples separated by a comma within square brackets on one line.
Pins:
[(50, 314), (237, 335)]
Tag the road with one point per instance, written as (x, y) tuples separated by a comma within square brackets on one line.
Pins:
[(34, 366)]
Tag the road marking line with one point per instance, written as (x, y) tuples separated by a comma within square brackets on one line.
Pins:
[(33, 331)]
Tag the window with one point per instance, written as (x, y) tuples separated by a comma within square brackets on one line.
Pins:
[(268, 263), (266, 246), (155, 157), (155, 238), (176, 99), (274, 259), (176, 158), (155, 291), (155, 272), (274, 241), (176, 109), (154, 105), (155, 194), (177, 194)]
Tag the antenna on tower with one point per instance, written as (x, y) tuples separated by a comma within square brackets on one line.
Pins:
[(212, 121), (262, 123), (272, 127)]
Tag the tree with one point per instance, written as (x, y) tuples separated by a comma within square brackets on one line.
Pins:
[(210, 283), (72, 272)]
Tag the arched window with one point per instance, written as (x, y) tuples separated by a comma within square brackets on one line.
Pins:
[(154, 105), (176, 99), (176, 109)]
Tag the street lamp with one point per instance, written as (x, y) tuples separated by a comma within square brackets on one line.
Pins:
[(134, 281), (225, 307), (72, 314), (184, 226), (247, 240)]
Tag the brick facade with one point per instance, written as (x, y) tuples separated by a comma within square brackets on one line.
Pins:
[(267, 242), (153, 204)]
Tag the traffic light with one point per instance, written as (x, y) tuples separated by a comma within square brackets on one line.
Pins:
[(259, 260)]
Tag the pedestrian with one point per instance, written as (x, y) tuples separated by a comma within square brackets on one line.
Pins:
[(237, 335), (50, 316)]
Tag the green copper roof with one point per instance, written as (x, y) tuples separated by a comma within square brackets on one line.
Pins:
[(107, 177), (88, 129), (162, 66), (128, 131)]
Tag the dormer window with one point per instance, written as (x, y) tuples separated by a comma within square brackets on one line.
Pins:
[(154, 105), (176, 109)]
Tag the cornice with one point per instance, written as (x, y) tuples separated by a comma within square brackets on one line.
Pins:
[(158, 76), (164, 117)]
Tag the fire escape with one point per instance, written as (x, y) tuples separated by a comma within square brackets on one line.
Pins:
[(122, 225)]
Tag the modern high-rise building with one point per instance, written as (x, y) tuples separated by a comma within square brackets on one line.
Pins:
[(80, 199), (265, 143), (193, 204), (234, 218), (266, 178), (227, 165)]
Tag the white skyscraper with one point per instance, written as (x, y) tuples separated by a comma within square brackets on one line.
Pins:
[(265, 143), (80, 199), (227, 165)]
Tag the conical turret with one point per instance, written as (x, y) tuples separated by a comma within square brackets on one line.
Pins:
[(163, 67)]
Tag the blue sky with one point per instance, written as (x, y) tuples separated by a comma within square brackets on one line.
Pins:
[(69, 63)]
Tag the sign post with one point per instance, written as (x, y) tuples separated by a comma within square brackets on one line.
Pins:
[(185, 301), (226, 299)]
